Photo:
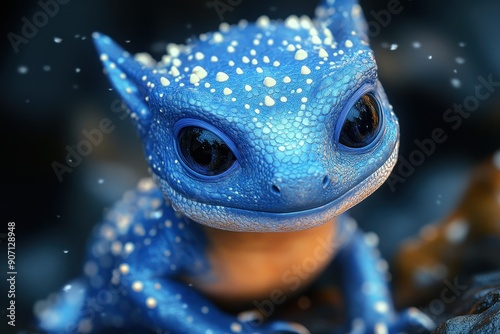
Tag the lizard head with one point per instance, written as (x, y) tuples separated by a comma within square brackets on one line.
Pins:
[(266, 126)]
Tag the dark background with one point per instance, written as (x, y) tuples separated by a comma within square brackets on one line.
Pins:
[(64, 92)]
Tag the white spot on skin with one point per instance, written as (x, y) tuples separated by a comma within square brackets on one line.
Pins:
[(381, 307), (248, 88), (268, 101), (137, 286), (124, 268), (269, 82), (104, 57), (129, 248), (214, 59), (218, 37), (300, 55), (199, 56), (371, 239), (200, 72), (292, 22), (316, 40), (221, 77), (151, 302), (174, 71), (348, 44), (227, 91), (381, 329), (224, 27), (305, 70), (322, 53), (173, 49), (235, 327), (457, 231), (263, 21), (287, 79), (239, 71), (194, 79)]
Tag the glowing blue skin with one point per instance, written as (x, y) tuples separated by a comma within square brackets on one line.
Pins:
[(291, 173)]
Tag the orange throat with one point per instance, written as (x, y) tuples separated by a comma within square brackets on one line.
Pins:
[(249, 266)]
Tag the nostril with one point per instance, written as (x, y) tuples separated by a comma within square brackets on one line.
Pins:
[(275, 189), (326, 181)]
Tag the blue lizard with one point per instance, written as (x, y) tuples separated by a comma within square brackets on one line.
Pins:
[(258, 136)]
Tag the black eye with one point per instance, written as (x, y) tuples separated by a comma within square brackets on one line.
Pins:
[(362, 123), (204, 152)]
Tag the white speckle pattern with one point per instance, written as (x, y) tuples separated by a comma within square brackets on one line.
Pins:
[(381, 328), (151, 302), (124, 268), (269, 82), (300, 55), (164, 81), (236, 327), (137, 286), (305, 70), (269, 101), (381, 307), (221, 77)]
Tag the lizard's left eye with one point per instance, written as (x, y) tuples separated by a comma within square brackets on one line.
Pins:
[(362, 123), (204, 152)]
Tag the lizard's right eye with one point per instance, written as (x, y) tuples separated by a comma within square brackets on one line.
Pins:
[(203, 151)]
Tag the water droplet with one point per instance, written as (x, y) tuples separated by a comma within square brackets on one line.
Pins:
[(65, 251), (77, 70), (429, 57), (460, 60), (462, 44), (58, 216), (27, 101), (57, 40), (416, 45), (67, 287), (84, 38), (456, 83), (455, 70), (393, 47), (127, 41), (100, 181), (439, 197), (22, 69), (46, 68), (384, 45)]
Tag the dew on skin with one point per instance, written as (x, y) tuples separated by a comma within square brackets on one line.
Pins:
[(22, 69)]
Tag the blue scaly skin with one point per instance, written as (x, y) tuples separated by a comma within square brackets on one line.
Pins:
[(273, 126)]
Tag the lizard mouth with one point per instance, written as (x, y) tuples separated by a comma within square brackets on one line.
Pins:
[(242, 220)]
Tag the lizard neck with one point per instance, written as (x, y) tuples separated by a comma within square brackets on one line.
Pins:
[(249, 266)]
